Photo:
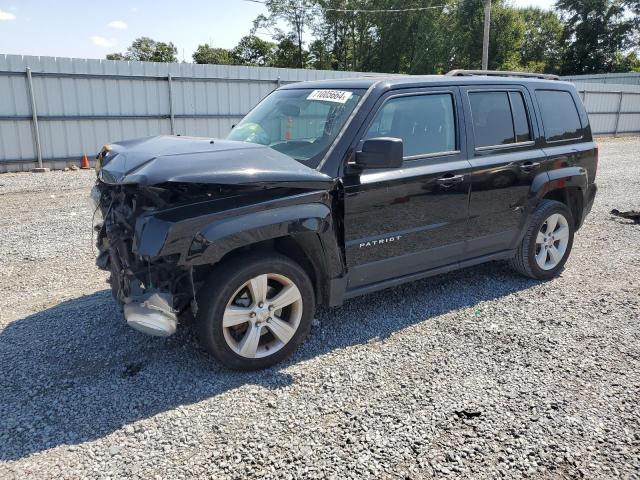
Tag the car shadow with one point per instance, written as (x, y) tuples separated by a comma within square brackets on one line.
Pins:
[(75, 372)]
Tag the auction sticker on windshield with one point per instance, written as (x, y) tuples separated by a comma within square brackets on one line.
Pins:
[(337, 96)]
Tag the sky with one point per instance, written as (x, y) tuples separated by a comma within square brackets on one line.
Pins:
[(86, 29)]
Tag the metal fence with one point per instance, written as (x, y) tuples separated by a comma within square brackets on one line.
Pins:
[(54, 110), (629, 78), (613, 108)]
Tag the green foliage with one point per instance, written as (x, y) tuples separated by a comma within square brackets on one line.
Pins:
[(542, 45), (297, 15), (218, 56), (595, 31), (581, 36), (252, 50), (145, 49), (287, 53), (626, 63), (319, 57), (505, 40), (591, 35)]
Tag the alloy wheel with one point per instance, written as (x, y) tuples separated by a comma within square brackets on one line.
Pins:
[(552, 241), (262, 315)]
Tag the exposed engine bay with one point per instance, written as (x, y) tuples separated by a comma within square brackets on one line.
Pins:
[(144, 286)]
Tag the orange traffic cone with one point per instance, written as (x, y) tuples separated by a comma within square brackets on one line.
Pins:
[(84, 163)]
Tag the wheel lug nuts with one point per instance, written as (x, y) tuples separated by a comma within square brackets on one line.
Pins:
[(268, 319), (261, 304), (253, 314), (271, 308)]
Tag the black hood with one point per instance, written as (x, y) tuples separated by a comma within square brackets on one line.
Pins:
[(156, 160)]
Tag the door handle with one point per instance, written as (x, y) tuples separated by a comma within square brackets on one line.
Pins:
[(529, 166), (449, 180)]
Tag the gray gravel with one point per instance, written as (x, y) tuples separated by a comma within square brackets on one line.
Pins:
[(476, 374)]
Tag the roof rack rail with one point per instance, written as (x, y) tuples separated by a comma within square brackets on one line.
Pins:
[(499, 73)]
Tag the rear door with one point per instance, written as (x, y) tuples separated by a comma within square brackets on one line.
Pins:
[(505, 154), (568, 141), (410, 219)]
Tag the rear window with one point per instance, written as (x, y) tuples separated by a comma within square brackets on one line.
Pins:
[(499, 118), (560, 118)]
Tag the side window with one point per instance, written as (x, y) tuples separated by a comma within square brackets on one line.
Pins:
[(520, 122), (560, 118), (499, 118), (425, 123), (492, 124)]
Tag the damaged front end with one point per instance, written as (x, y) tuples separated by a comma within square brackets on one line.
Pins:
[(155, 200), (152, 291)]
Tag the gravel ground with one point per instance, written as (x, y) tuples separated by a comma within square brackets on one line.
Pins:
[(475, 374)]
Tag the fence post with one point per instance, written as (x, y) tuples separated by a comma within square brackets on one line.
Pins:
[(618, 115), (171, 117), (34, 114)]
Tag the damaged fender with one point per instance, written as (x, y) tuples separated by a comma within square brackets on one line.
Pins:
[(221, 237)]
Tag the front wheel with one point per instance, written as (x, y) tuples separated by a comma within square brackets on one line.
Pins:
[(547, 242), (254, 312)]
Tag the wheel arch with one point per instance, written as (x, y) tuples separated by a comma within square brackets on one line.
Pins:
[(304, 232), (566, 185), (572, 197), (305, 250)]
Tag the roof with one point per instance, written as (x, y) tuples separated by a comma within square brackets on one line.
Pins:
[(408, 81)]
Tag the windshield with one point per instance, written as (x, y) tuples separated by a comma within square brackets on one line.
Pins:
[(299, 123)]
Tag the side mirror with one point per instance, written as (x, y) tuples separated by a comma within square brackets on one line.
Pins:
[(383, 152)]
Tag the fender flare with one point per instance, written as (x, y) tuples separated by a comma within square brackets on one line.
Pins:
[(568, 177), (223, 236)]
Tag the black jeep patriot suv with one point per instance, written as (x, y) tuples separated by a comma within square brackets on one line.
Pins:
[(331, 189)]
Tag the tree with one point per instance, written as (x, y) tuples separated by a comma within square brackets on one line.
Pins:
[(218, 56), (626, 63), (353, 37), (252, 50), (165, 52), (505, 41), (319, 57), (145, 49), (297, 14), (286, 54), (542, 45), (594, 32)]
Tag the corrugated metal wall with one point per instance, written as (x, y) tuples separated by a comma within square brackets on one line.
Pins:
[(613, 108), (82, 104), (630, 78)]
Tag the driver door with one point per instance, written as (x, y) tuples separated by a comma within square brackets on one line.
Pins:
[(411, 219)]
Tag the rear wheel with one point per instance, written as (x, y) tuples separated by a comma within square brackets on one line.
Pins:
[(547, 243), (255, 311)]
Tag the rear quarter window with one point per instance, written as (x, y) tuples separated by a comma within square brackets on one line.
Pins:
[(560, 117)]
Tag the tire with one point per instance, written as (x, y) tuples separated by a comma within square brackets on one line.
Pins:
[(227, 297), (530, 259)]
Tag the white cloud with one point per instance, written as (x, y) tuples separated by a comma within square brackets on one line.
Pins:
[(134, 9), (103, 42), (6, 15), (119, 24)]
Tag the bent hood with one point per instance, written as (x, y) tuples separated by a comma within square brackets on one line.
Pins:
[(156, 160)]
